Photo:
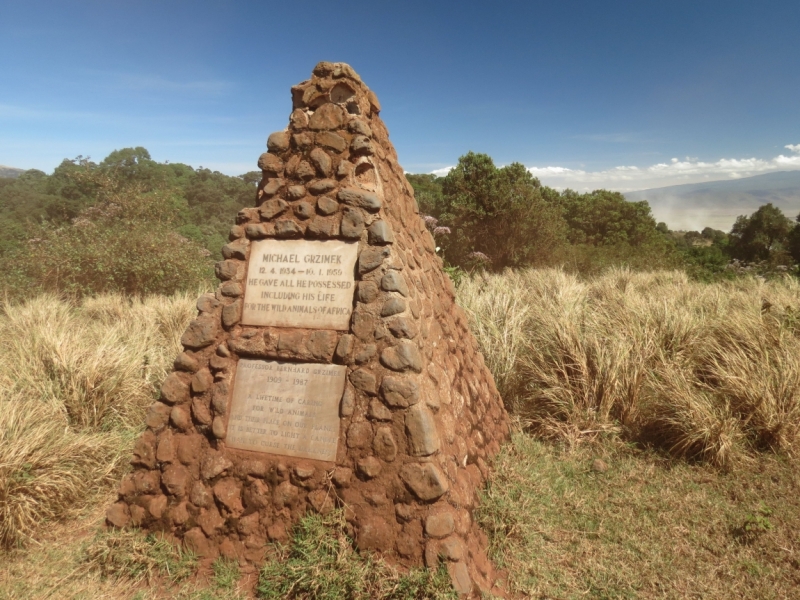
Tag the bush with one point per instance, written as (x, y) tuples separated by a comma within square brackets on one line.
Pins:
[(126, 242)]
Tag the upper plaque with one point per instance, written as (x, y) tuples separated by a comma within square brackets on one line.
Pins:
[(299, 283)]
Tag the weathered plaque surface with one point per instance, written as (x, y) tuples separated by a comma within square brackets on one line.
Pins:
[(286, 408), (299, 283)]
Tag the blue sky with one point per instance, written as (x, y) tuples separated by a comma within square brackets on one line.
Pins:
[(617, 94)]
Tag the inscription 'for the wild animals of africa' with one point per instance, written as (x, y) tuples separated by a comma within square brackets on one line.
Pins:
[(299, 283), (291, 409)]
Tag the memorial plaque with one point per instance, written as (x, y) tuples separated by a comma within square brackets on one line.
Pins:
[(286, 408), (299, 283)]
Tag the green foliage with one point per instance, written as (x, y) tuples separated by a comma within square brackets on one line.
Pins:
[(125, 242), (136, 555), (428, 192), (754, 525), (210, 198), (127, 224), (500, 213), (707, 263), (493, 218), (321, 564), (603, 218), (761, 236), (226, 573)]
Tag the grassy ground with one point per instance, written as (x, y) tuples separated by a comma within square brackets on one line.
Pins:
[(654, 455), (646, 527)]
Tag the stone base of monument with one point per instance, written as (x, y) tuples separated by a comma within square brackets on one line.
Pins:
[(331, 368)]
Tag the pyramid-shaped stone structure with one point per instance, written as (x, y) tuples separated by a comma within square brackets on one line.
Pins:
[(332, 366)]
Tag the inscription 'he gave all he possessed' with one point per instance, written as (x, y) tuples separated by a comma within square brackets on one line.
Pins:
[(299, 283)]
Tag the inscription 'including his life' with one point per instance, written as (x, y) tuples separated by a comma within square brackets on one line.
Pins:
[(286, 408), (299, 283)]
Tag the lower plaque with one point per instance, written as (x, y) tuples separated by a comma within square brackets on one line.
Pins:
[(286, 408)]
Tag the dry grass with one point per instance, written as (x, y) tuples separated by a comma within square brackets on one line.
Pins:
[(705, 371), (648, 527), (709, 372), (75, 380)]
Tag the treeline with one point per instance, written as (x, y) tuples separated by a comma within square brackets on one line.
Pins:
[(489, 217), (126, 224), (130, 224)]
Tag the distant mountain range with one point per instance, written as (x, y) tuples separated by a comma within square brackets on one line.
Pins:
[(10, 171), (717, 203)]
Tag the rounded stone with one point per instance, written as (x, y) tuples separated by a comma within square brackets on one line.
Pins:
[(304, 210), (295, 192), (423, 437), (272, 187), (305, 171), (118, 515), (180, 418), (285, 228), (175, 480), (270, 164), (218, 428), (332, 141), (326, 117), (213, 465), (371, 258), (440, 525), (201, 332), (393, 281), (367, 291), (323, 186), (359, 198), (321, 161), (361, 144), (327, 206), (399, 392), (352, 223), (157, 415), (404, 356), (359, 435), (364, 380), (369, 467), (272, 208), (342, 476), (426, 481), (360, 127), (384, 444), (393, 306), (298, 119), (380, 233), (348, 403), (378, 412), (278, 142)]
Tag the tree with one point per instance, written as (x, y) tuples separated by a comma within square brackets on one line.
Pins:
[(761, 236), (428, 193), (498, 213), (793, 241), (126, 241)]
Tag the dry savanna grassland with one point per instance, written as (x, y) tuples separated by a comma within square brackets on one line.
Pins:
[(654, 454)]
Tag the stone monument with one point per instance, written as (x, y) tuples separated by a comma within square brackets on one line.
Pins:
[(331, 368)]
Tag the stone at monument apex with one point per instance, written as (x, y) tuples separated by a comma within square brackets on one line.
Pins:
[(332, 366)]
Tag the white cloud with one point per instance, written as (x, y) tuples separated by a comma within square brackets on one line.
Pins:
[(441, 172), (675, 172)]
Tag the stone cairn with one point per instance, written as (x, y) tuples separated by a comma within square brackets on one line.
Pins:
[(419, 414)]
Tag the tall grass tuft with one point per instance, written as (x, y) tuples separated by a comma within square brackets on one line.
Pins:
[(708, 371), (75, 380)]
